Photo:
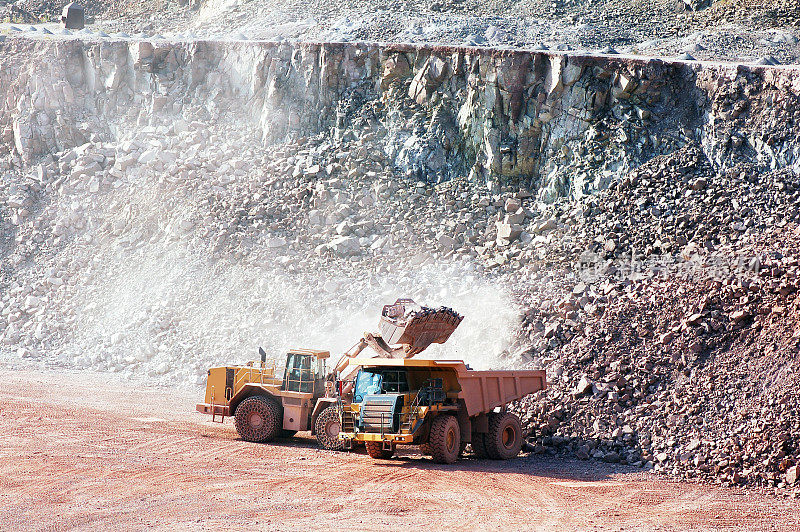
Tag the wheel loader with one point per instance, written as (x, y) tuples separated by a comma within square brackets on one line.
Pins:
[(308, 396)]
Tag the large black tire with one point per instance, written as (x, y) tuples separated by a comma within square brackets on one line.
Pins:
[(478, 445), (375, 450), (259, 419), (327, 427), (504, 439), (445, 439)]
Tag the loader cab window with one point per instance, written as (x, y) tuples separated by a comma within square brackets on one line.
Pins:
[(304, 373), (380, 381)]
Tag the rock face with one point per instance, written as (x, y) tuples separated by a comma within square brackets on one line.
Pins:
[(559, 123)]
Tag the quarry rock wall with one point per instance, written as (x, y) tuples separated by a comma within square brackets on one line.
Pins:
[(560, 123)]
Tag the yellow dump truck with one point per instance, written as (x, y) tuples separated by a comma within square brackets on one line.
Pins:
[(440, 405)]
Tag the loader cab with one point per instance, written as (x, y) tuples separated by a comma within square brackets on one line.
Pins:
[(305, 371)]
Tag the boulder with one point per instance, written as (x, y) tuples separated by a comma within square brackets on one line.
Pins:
[(345, 246)]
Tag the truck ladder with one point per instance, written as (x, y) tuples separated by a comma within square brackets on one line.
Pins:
[(408, 423), (347, 419)]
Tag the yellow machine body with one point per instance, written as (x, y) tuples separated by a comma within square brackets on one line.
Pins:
[(297, 391), (468, 394), (225, 382)]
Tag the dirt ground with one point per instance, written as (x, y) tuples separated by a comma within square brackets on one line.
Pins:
[(87, 451)]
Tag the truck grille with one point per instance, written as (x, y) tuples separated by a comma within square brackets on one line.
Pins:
[(379, 413)]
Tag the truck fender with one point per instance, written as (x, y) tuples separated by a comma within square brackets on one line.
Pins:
[(322, 404), (249, 391)]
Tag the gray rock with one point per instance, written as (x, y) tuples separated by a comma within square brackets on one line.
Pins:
[(611, 457), (512, 205), (447, 242), (345, 246), (507, 231), (584, 386), (545, 225), (791, 476)]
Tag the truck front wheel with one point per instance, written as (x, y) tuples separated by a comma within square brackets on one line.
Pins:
[(327, 427), (258, 419), (375, 450), (445, 439), (504, 439)]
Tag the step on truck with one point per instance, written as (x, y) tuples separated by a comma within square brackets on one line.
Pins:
[(440, 405)]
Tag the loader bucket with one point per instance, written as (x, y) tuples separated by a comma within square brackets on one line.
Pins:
[(416, 327)]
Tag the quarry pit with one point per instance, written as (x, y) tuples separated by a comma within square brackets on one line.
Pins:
[(628, 223)]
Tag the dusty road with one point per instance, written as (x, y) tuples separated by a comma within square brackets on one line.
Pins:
[(86, 451)]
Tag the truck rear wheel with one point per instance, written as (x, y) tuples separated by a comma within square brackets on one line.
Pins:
[(504, 439), (375, 450), (445, 439), (327, 427), (258, 419), (478, 445)]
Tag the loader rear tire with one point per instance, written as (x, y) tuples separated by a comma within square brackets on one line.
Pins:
[(258, 419), (478, 445), (327, 427), (445, 439), (504, 439), (375, 450)]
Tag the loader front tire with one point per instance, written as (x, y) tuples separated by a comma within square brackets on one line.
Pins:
[(504, 439), (445, 439), (327, 427), (258, 419), (375, 450)]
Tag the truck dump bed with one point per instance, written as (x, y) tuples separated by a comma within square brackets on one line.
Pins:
[(483, 391)]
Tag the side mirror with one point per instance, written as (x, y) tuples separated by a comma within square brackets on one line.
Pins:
[(263, 355)]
